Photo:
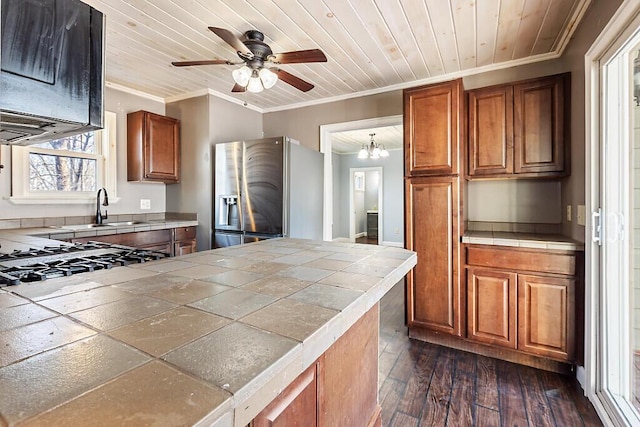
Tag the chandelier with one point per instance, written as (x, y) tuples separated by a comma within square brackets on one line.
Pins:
[(254, 80), (372, 150)]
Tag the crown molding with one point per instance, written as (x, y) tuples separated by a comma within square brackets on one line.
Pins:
[(405, 85), (126, 89)]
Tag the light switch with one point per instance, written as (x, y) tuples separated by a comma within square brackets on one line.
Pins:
[(569, 213), (582, 215), (145, 204)]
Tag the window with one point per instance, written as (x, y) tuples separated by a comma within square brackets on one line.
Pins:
[(358, 181), (70, 169)]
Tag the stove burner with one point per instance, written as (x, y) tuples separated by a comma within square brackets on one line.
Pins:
[(50, 262)]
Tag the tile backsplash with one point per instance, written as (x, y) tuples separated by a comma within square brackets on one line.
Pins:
[(514, 227)]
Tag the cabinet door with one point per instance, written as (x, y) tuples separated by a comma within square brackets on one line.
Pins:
[(546, 316), (432, 221), (161, 148), (492, 307), (184, 247), (490, 142), (295, 406), (432, 129), (539, 125)]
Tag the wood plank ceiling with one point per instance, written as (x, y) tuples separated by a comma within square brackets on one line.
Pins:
[(371, 45)]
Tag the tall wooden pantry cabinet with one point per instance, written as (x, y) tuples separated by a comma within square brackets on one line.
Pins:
[(433, 132)]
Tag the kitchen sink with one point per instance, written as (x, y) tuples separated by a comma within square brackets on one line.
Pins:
[(81, 226), (124, 223), (106, 224)]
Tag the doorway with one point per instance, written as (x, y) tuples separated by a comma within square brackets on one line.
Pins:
[(366, 205), (336, 142), (612, 341)]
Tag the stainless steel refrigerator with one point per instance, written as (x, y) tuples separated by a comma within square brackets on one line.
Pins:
[(266, 188)]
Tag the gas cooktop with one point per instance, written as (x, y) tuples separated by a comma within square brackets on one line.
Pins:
[(57, 261)]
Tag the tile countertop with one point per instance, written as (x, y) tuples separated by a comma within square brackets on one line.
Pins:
[(522, 240), (208, 338), (24, 238)]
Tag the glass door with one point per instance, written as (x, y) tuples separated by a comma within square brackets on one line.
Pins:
[(616, 226)]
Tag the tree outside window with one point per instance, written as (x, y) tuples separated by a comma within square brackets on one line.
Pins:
[(72, 168), (68, 170)]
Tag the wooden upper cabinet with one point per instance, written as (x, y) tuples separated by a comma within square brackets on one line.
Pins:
[(153, 148), (433, 128), (491, 131), (539, 121), (519, 130), (432, 221)]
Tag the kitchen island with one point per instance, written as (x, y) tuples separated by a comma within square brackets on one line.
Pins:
[(210, 338)]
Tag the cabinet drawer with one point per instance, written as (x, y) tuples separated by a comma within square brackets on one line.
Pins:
[(522, 259), (185, 233)]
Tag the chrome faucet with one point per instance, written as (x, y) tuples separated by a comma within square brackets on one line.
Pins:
[(99, 216)]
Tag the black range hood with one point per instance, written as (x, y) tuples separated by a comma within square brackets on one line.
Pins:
[(52, 67)]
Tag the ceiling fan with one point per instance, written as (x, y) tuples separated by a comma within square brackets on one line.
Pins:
[(254, 53)]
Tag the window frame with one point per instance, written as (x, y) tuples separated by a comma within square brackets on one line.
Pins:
[(105, 157)]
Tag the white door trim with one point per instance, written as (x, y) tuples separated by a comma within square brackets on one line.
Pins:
[(608, 54), (325, 147)]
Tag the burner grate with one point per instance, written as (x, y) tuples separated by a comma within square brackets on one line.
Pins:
[(50, 262)]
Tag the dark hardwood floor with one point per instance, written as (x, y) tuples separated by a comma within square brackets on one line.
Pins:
[(367, 240), (423, 384)]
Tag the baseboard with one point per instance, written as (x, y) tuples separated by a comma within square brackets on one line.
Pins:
[(581, 376), (394, 244), (358, 235), (341, 239), (510, 355)]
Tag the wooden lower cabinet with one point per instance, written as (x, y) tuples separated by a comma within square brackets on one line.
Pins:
[(297, 406), (492, 305), (154, 240), (184, 240), (432, 230), (546, 316), (339, 389), (174, 242), (524, 299)]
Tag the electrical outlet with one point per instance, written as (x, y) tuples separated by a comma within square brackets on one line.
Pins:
[(145, 204), (569, 213), (582, 215), (397, 231)]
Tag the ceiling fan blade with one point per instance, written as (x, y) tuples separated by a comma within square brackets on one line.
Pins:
[(294, 81), (203, 62), (233, 41), (238, 88), (298, 57)]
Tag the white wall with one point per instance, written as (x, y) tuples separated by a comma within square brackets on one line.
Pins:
[(130, 193), (520, 201), (372, 186)]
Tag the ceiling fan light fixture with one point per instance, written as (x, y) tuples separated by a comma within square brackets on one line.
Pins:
[(242, 75), (255, 84), (268, 77)]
